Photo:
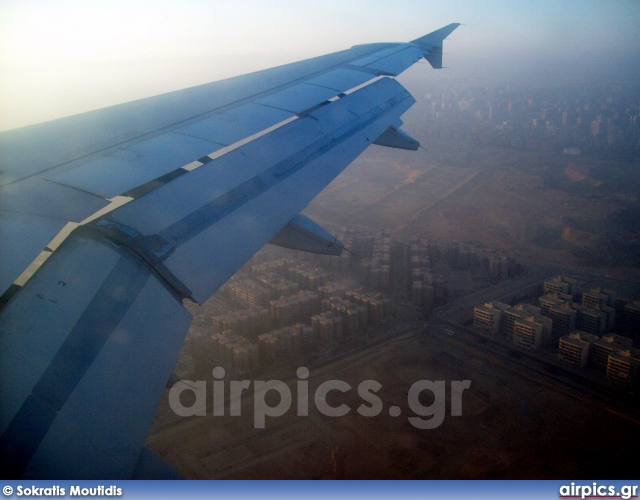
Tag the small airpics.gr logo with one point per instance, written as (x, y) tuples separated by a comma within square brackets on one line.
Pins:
[(424, 416), (595, 490)]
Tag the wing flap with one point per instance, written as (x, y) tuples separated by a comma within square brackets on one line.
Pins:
[(360, 102), (54, 300), (166, 207), (109, 355), (226, 210)]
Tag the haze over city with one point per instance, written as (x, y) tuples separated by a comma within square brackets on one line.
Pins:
[(64, 57)]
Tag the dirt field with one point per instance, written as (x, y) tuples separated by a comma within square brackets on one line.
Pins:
[(542, 207), (512, 426)]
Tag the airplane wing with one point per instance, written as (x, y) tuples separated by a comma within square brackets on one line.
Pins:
[(213, 172)]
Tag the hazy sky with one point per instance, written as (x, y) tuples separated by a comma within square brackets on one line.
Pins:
[(61, 57)]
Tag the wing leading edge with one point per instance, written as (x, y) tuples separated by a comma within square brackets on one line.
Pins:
[(216, 172)]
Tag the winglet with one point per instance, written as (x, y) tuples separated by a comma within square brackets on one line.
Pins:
[(432, 42)]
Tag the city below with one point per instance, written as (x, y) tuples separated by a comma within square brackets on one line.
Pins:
[(287, 309), (506, 255)]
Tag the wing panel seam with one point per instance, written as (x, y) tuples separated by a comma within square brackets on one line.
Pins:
[(190, 226)]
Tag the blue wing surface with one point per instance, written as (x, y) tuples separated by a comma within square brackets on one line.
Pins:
[(214, 172)]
